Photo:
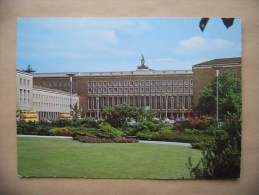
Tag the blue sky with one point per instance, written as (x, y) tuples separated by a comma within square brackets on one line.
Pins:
[(116, 44)]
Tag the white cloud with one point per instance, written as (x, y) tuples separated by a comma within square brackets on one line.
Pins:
[(198, 44), (194, 43)]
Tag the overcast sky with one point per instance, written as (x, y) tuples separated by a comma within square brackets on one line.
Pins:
[(116, 44)]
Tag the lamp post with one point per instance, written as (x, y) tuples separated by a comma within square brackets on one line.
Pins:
[(217, 98), (71, 90), (97, 108)]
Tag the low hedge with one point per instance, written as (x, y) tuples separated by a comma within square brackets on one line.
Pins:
[(105, 140)]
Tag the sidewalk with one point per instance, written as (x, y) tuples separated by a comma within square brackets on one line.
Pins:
[(165, 143)]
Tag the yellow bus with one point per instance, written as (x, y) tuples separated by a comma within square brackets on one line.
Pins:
[(29, 116)]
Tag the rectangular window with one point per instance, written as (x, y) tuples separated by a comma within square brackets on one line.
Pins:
[(180, 89), (28, 83), (158, 89), (131, 90), (186, 89), (147, 82), (163, 82), (153, 89), (163, 89), (89, 103), (164, 102), (169, 89), (20, 81), (191, 89), (141, 83), (104, 90), (153, 83), (125, 83), (136, 83), (191, 82), (125, 90), (131, 83), (120, 90), (115, 90), (104, 83), (115, 83), (120, 83), (142, 89), (186, 104), (175, 89), (89, 84), (180, 82), (99, 90), (186, 82), (110, 83), (110, 90), (94, 83), (147, 101), (158, 102), (147, 89), (136, 89), (100, 83), (94, 90), (158, 82), (169, 82), (175, 82)]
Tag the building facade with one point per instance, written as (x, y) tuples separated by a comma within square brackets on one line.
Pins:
[(170, 93), (52, 103), (24, 82), (45, 102)]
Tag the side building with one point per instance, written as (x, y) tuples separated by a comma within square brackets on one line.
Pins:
[(205, 72), (35, 103)]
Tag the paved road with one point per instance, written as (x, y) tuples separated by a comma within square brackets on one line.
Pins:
[(39, 136), (140, 141)]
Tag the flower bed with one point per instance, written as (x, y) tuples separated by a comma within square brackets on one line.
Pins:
[(105, 140)]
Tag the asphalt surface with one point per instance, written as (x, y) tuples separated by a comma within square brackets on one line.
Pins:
[(140, 141)]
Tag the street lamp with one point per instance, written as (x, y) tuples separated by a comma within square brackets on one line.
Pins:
[(97, 108), (71, 90), (217, 100)]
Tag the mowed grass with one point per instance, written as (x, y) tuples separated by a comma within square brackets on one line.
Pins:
[(44, 157)]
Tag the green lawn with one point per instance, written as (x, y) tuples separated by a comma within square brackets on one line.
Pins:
[(43, 157)]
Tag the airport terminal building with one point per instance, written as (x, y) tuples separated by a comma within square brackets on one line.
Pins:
[(170, 93)]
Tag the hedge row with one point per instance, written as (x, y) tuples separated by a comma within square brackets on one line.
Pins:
[(104, 140)]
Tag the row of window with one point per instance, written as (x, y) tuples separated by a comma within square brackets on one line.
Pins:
[(141, 83), (141, 89), (154, 102), (51, 105), (24, 82), (52, 84), (50, 98)]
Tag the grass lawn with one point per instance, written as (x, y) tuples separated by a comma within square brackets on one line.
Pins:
[(43, 157)]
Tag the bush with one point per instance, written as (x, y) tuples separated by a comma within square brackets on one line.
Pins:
[(105, 130), (60, 132), (105, 140), (146, 135), (62, 123)]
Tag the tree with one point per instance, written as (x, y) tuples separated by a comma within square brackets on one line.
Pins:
[(119, 114), (221, 157), (226, 21), (75, 110), (229, 96)]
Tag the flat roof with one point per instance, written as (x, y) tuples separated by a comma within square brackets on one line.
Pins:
[(139, 72)]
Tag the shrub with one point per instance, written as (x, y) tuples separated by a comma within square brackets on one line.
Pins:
[(62, 123), (60, 132), (105, 130), (105, 140), (146, 135)]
